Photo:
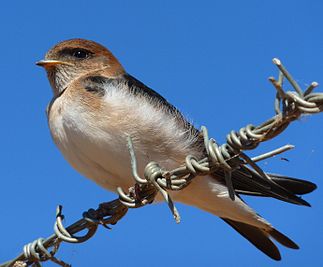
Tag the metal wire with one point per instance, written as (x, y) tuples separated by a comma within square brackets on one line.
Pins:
[(37, 251), (288, 106)]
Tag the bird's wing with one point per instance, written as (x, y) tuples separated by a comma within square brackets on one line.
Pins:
[(98, 84), (245, 180), (248, 182)]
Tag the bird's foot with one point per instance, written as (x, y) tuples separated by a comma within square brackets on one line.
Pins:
[(139, 195), (107, 213)]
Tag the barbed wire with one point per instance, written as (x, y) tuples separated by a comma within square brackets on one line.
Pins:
[(228, 157)]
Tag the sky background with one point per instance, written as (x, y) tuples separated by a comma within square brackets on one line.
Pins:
[(211, 59)]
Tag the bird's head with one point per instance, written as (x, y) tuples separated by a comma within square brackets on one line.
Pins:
[(74, 58)]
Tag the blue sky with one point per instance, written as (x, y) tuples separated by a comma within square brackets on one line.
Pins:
[(211, 59)]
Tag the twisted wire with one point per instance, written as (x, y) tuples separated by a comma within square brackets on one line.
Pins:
[(288, 106), (38, 251)]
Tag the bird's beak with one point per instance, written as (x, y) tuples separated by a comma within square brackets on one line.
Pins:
[(49, 63)]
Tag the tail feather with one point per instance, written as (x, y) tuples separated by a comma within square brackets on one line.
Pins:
[(210, 194), (248, 182), (261, 238), (282, 239)]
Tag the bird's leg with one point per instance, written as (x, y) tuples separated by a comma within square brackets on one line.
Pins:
[(139, 195), (108, 212), (143, 193)]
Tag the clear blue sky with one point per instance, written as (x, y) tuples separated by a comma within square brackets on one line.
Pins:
[(211, 59)]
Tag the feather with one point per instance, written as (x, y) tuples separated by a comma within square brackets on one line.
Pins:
[(261, 238)]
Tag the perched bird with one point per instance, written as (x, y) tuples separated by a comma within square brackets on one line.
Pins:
[(97, 105)]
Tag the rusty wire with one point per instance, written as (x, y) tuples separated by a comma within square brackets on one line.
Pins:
[(288, 106)]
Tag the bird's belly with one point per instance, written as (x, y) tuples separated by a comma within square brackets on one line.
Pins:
[(103, 162), (101, 155)]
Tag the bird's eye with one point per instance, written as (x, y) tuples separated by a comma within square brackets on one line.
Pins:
[(81, 54), (75, 53)]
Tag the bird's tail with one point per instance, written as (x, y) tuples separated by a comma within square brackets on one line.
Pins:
[(210, 194), (261, 238)]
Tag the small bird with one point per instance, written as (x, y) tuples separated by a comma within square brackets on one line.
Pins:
[(97, 105)]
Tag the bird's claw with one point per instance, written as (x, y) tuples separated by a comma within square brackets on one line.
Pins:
[(138, 196), (107, 213)]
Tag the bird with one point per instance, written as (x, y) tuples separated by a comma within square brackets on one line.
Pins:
[(96, 105)]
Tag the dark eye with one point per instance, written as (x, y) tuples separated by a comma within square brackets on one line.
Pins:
[(75, 53), (81, 54)]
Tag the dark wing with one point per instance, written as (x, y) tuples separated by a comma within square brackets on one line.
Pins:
[(136, 87), (248, 182)]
